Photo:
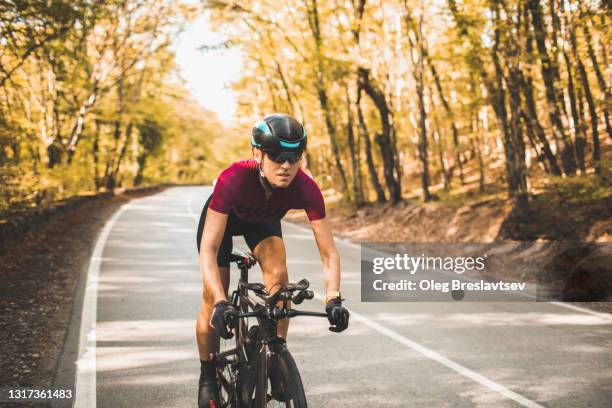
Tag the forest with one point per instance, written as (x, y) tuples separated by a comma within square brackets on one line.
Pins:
[(402, 99), (90, 99)]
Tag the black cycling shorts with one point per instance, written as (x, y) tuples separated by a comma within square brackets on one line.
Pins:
[(253, 232)]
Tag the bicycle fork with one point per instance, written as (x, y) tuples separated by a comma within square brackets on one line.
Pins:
[(256, 378), (262, 376)]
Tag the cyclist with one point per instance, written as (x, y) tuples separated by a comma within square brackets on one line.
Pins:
[(249, 199)]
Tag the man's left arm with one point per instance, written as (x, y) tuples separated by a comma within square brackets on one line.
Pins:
[(329, 255), (337, 315)]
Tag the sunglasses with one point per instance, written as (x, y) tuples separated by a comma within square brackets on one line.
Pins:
[(280, 156)]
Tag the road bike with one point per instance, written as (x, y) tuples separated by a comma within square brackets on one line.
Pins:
[(255, 369)]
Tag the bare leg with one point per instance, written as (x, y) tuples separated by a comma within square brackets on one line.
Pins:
[(272, 258), (207, 338)]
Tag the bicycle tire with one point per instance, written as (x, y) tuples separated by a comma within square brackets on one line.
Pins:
[(238, 343), (289, 375), (227, 375), (228, 384)]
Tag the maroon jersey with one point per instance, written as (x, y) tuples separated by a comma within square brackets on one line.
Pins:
[(238, 189)]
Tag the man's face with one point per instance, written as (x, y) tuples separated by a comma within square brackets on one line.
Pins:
[(278, 174)]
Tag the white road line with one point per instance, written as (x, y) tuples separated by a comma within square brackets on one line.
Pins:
[(189, 201), (85, 381), (604, 316), (464, 371)]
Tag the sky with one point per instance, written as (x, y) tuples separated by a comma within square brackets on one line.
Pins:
[(208, 73)]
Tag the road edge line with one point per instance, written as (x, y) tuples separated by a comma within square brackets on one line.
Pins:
[(85, 377)]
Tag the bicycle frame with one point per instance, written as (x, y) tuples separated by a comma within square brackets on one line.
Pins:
[(254, 368)]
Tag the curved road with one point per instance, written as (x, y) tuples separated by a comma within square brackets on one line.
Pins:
[(137, 344)]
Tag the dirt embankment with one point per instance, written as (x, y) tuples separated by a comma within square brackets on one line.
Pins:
[(40, 271), (481, 221)]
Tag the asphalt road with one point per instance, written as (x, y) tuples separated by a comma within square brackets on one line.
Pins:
[(141, 351)]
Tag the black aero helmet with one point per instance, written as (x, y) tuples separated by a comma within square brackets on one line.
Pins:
[(279, 131)]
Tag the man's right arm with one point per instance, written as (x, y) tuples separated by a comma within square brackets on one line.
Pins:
[(214, 229)]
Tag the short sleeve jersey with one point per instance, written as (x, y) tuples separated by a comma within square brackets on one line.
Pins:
[(239, 189)]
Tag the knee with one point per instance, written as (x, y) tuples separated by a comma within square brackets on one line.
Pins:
[(202, 326), (202, 323), (277, 275), (206, 305)]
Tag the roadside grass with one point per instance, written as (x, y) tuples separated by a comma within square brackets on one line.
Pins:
[(577, 190)]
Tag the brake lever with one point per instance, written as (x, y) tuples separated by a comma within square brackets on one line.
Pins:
[(308, 294), (303, 294), (303, 284)]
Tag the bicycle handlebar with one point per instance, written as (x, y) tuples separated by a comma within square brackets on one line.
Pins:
[(282, 313), (284, 293)]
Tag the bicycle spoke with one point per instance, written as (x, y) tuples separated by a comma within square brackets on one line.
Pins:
[(274, 402), (227, 377)]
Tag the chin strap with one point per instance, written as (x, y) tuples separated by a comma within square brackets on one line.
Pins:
[(263, 178)]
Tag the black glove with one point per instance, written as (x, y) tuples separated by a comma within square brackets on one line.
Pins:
[(337, 315), (224, 318)]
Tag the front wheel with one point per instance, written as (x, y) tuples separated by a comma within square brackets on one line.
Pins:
[(285, 388)]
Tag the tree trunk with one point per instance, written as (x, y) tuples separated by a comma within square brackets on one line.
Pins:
[(533, 142), (95, 153), (534, 124), (128, 135), (448, 110), (477, 145), (363, 132), (313, 22), (548, 69), (418, 73), (444, 173), (578, 127), (605, 91), (590, 101), (281, 75), (555, 26), (580, 147), (110, 163), (516, 129), (79, 125), (526, 84), (423, 152), (501, 109), (357, 194), (383, 139)]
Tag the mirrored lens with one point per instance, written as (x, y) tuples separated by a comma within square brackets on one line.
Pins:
[(279, 156)]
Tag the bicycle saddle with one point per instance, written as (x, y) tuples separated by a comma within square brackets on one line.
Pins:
[(245, 258)]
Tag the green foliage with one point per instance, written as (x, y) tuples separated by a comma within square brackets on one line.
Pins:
[(451, 200), (150, 135), (91, 100), (578, 190)]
